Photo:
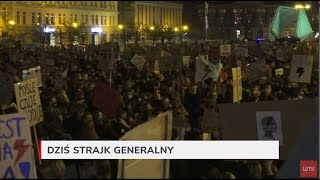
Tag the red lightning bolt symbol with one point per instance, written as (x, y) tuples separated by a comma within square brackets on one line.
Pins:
[(21, 148)]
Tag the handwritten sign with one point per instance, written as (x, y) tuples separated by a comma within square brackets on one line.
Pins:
[(138, 61), (16, 153), (241, 50), (186, 60), (256, 70), (225, 50), (237, 84), (6, 88), (279, 72), (205, 70), (34, 72), (28, 100)]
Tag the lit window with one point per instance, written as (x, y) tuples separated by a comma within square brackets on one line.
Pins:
[(238, 34)]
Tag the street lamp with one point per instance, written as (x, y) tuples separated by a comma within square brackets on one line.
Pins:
[(176, 29), (299, 6), (152, 28), (11, 22), (185, 27), (120, 26), (75, 24)]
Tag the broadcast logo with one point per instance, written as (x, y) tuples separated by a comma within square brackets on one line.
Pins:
[(308, 169)]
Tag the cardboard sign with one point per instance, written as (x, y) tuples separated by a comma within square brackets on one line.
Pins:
[(205, 70), (6, 88), (186, 60), (239, 120), (279, 72), (237, 84), (34, 72), (28, 100), (241, 50), (225, 50), (159, 128), (256, 70), (211, 122), (301, 68), (16, 153), (138, 61)]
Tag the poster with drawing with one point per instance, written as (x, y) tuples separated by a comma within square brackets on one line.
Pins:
[(269, 126), (301, 68), (138, 61)]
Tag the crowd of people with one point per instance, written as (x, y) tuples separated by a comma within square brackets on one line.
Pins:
[(141, 94)]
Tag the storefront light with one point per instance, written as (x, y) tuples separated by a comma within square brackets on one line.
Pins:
[(49, 30), (96, 30)]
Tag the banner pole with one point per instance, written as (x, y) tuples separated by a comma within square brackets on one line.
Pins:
[(37, 145), (110, 79)]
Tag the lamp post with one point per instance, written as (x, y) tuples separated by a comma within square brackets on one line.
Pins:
[(299, 6)]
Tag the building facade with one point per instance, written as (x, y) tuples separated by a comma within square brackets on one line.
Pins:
[(152, 13), (242, 19), (98, 19)]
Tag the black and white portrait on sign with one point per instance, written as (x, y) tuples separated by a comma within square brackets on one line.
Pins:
[(269, 126)]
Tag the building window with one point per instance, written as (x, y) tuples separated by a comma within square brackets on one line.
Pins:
[(75, 18), (18, 17), (64, 18), (87, 20), (81, 3), (105, 20), (4, 14), (110, 20), (69, 3), (92, 19), (47, 18), (91, 3), (39, 18), (82, 18), (24, 18), (113, 4), (86, 3), (75, 3), (60, 18), (102, 20), (96, 4), (33, 20), (113, 19), (101, 4), (52, 19), (97, 20), (71, 18), (238, 33), (63, 3)]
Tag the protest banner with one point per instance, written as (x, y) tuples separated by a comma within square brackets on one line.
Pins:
[(6, 88), (256, 70), (16, 152), (279, 72), (28, 100), (225, 50), (237, 84), (239, 121), (170, 63), (211, 122), (138, 61), (186, 60), (159, 128), (34, 72), (106, 99), (241, 50), (301, 68), (205, 69)]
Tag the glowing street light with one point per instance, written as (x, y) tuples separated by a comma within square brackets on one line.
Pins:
[(120, 26), (75, 25), (299, 6), (185, 27), (11, 22), (176, 29), (152, 28)]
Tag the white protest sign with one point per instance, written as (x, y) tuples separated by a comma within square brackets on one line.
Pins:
[(138, 61), (237, 84), (205, 70), (241, 50), (186, 60), (159, 128), (225, 50), (269, 125), (256, 70), (301, 68), (279, 72), (16, 153), (34, 72), (28, 100), (6, 88), (149, 43)]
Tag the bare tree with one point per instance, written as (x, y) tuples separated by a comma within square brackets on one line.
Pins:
[(74, 32)]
